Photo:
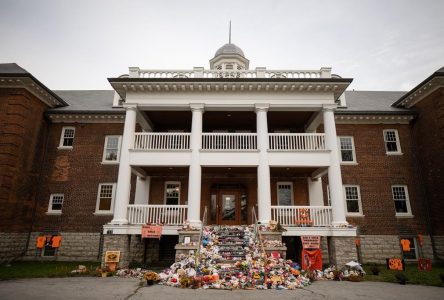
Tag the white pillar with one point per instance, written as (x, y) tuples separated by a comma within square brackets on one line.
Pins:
[(315, 193), (263, 169), (195, 172), (142, 195), (124, 177), (334, 170)]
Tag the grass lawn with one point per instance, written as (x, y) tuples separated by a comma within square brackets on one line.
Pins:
[(414, 276), (34, 269)]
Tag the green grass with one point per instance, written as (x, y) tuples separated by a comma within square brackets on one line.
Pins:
[(35, 269), (414, 276)]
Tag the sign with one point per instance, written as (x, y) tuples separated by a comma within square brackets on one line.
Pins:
[(112, 256), (311, 241), (395, 264), (151, 231), (425, 264)]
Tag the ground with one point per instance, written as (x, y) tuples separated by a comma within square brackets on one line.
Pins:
[(126, 288)]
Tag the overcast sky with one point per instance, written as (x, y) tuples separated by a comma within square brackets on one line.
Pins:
[(383, 45)]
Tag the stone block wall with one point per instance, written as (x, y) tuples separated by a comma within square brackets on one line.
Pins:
[(117, 242), (12, 245), (439, 246), (376, 248), (342, 250)]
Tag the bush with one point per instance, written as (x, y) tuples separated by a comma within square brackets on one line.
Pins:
[(401, 277), (375, 270), (441, 276)]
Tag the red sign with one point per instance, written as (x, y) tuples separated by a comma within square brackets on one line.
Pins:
[(151, 231), (311, 241), (425, 264)]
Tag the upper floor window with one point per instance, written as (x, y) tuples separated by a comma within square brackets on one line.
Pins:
[(285, 193), (111, 151), (56, 203), (409, 248), (353, 199), (105, 198), (347, 149), (67, 137), (401, 198), (172, 192), (391, 141)]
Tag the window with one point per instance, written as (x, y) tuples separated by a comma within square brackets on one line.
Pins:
[(285, 193), (391, 141), (409, 248), (347, 149), (105, 198), (55, 203), (401, 198), (67, 138), (172, 192), (353, 200), (328, 196), (111, 151)]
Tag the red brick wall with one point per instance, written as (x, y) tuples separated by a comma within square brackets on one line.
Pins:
[(376, 172), (22, 137), (428, 132)]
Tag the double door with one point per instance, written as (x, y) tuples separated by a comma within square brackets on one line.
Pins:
[(231, 207)]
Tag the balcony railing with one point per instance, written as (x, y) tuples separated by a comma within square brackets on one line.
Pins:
[(162, 141), (165, 214), (229, 141), (297, 141), (302, 216)]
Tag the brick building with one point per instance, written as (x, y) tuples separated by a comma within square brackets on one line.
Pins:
[(168, 145)]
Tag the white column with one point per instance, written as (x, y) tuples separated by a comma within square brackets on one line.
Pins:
[(195, 172), (315, 193), (142, 195), (263, 169), (334, 170), (124, 177)]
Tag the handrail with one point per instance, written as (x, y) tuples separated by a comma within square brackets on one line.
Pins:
[(257, 233), (204, 223)]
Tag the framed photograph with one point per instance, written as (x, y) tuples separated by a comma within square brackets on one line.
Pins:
[(186, 240), (112, 256)]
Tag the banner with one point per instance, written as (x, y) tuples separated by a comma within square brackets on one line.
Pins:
[(395, 264), (424, 264), (311, 241), (311, 259), (151, 231)]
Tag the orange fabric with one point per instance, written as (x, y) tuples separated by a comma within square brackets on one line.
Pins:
[(41, 242), (405, 245), (56, 241), (311, 259)]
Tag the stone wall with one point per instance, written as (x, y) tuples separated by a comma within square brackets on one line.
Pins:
[(117, 242), (376, 248), (12, 245), (342, 250), (439, 246)]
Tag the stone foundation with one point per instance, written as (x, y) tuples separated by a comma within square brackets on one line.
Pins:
[(376, 248), (439, 246), (342, 250), (117, 242), (12, 245)]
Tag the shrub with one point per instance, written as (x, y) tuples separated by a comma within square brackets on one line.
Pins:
[(375, 270), (401, 277), (441, 276)]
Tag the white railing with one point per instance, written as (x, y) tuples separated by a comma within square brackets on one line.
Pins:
[(165, 214), (302, 216), (161, 141), (297, 141), (198, 72), (229, 141)]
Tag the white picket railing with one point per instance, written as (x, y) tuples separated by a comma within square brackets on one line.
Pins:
[(165, 214), (229, 141), (297, 141), (161, 141), (302, 216)]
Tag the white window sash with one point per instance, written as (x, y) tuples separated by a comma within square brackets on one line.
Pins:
[(398, 144), (113, 195), (119, 146), (51, 201), (358, 191), (353, 150), (62, 137), (407, 200)]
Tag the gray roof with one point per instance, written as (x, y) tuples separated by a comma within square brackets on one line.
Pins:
[(12, 68), (99, 101), (372, 102), (229, 49)]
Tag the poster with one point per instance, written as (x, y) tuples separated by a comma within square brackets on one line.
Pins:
[(395, 264), (311, 241), (151, 231), (112, 256)]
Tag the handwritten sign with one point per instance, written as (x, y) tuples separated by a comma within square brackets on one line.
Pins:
[(151, 231), (112, 256), (395, 264), (311, 241)]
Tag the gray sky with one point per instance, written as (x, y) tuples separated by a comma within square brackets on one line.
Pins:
[(382, 44)]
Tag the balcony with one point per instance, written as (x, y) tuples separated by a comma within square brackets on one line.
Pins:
[(172, 215), (302, 216), (296, 141), (229, 141)]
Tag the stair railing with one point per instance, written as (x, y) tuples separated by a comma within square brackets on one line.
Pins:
[(257, 233), (204, 223)]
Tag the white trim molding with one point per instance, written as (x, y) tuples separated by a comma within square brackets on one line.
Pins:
[(390, 140), (353, 149), (358, 195), (64, 135), (402, 194), (98, 211)]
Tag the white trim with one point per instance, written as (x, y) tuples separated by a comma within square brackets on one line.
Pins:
[(165, 191), (51, 198), (407, 214), (353, 162), (291, 188), (119, 146), (353, 214), (110, 211), (62, 137), (398, 144)]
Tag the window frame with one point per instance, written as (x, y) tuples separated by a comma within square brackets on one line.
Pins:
[(407, 214), (358, 189), (415, 244), (277, 192), (354, 161), (165, 192), (398, 143), (51, 199), (119, 147), (113, 198), (62, 137)]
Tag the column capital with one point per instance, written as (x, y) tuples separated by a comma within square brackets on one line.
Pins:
[(130, 107), (329, 107), (197, 107), (261, 107)]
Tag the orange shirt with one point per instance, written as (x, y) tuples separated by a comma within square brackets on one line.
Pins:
[(405, 245), (56, 241), (41, 242)]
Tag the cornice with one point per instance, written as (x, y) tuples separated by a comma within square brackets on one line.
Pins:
[(86, 118)]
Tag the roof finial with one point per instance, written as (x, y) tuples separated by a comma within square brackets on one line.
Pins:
[(229, 35)]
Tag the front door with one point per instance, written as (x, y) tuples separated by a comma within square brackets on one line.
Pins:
[(228, 207)]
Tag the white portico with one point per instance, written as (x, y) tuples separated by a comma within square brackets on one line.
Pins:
[(237, 120)]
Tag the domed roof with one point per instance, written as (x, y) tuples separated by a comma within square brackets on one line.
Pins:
[(229, 49)]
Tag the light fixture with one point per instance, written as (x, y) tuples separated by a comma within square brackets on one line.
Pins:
[(228, 115)]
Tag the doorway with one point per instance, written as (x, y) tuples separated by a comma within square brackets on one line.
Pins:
[(229, 204)]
